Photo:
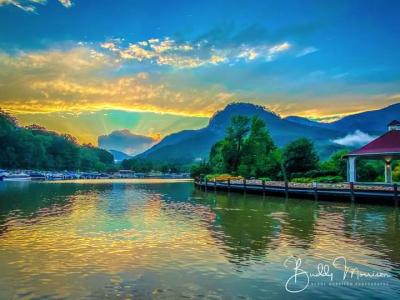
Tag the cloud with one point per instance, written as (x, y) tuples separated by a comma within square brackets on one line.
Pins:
[(83, 79), (66, 3), (265, 52), (358, 138), (125, 141), (190, 55), (30, 5), (306, 51)]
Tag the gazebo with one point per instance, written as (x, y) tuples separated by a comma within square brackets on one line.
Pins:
[(385, 147)]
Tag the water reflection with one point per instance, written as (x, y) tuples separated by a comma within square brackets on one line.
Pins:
[(158, 239)]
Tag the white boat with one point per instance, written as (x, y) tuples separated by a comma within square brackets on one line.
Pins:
[(3, 174), (17, 177)]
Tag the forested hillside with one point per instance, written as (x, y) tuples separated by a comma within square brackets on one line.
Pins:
[(34, 147)]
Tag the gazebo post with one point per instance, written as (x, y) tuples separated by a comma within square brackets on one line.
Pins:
[(388, 171), (351, 169), (386, 147)]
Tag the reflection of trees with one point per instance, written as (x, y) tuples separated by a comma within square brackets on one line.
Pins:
[(379, 229), (300, 221), (248, 226), (29, 200), (243, 225)]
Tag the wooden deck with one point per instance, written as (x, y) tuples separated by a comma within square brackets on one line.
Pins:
[(383, 194)]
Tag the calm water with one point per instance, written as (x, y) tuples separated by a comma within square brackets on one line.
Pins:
[(168, 240)]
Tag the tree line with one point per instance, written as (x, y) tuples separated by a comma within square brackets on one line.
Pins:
[(249, 151), (34, 147)]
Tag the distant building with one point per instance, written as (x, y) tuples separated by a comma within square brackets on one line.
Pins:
[(125, 174)]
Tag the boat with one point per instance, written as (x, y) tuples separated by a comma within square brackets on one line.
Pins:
[(37, 176), (17, 177), (55, 176), (3, 174)]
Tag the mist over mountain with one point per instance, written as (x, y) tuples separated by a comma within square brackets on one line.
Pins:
[(125, 141)]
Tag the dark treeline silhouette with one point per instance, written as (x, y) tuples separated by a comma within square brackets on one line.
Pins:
[(34, 147)]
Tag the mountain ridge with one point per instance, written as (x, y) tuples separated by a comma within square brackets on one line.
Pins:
[(189, 145)]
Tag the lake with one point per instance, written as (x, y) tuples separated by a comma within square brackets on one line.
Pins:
[(165, 239)]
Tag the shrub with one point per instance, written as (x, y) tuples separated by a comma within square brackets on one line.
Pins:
[(265, 178), (321, 179), (314, 174), (222, 177)]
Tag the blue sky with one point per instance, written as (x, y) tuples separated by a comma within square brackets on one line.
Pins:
[(320, 59)]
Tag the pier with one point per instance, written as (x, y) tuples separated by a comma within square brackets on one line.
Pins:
[(373, 193)]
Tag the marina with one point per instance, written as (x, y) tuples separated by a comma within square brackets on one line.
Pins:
[(28, 175)]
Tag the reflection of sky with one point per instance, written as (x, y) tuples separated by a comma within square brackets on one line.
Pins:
[(312, 59), (140, 236)]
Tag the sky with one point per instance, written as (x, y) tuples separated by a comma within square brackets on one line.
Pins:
[(90, 67)]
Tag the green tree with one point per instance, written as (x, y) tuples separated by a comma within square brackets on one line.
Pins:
[(33, 147), (201, 169), (336, 163), (217, 161), (300, 156), (257, 159), (233, 144)]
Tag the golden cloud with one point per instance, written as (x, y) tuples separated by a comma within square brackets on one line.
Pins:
[(85, 79), (185, 55), (78, 79)]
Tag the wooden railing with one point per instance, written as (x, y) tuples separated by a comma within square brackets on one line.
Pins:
[(345, 188)]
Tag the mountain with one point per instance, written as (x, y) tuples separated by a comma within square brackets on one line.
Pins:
[(189, 145), (118, 155), (372, 122), (305, 121), (125, 141)]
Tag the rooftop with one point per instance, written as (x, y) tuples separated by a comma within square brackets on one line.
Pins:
[(387, 143)]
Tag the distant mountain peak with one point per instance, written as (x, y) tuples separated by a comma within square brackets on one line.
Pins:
[(222, 117)]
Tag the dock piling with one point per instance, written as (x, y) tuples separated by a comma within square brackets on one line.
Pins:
[(263, 187), (315, 186), (286, 189), (396, 194), (229, 185), (352, 191)]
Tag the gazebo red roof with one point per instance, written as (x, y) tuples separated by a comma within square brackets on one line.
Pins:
[(387, 143)]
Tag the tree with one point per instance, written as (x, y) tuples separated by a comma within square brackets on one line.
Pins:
[(247, 150), (233, 143), (257, 159), (336, 163), (299, 156), (201, 169), (34, 147), (217, 161)]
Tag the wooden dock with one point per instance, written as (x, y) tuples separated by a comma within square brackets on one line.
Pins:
[(373, 193)]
